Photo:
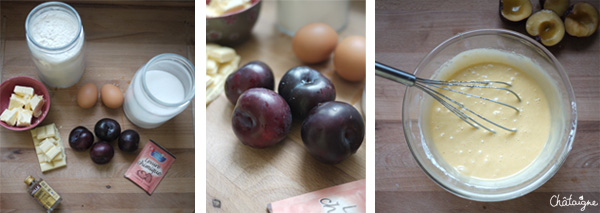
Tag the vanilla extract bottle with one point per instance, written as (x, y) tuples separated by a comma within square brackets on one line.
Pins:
[(43, 193)]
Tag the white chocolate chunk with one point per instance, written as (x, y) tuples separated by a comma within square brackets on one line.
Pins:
[(227, 68), (211, 67), (46, 145), (211, 46), (51, 154), (221, 55), (42, 158), (60, 163), (50, 130), (46, 166), (59, 157), (23, 91), (50, 150)]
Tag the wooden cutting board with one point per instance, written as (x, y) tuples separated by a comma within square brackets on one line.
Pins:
[(120, 38), (405, 33), (244, 179)]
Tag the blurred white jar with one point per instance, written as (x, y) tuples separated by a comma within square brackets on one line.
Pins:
[(55, 38), (293, 14), (160, 90)]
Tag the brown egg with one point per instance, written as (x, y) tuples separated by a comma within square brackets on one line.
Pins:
[(111, 96), (314, 42), (349, 58), (87, 95)]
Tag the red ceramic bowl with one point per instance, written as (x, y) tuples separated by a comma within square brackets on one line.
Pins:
[(233, 28), (6, 89)]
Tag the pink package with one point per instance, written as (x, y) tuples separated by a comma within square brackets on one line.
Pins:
[(150, 166), (348, 197)]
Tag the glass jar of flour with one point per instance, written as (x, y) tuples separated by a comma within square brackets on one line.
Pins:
[(160, 90), (56, 40)]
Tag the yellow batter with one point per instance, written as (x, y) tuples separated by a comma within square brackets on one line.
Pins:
[(479, 153)]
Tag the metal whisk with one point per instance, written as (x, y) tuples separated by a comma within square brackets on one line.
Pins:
[(429, 87)]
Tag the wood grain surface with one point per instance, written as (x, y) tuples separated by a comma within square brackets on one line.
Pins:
[(120, 38), (244, 179), (405, 32)]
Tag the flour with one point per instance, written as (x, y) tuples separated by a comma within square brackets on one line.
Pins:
[(55, 38)]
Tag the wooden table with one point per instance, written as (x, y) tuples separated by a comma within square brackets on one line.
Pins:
[(244, 179), (405, 32), (120, 38)]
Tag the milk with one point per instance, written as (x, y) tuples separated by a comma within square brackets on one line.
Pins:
[(293, 14), (159, 91), (55, 39)]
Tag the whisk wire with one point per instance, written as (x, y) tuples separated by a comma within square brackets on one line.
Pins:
[(476, 96), (436, 95), (471, 84), (431, 87)]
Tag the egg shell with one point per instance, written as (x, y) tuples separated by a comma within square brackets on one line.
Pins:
[(314, 43), (87, 96), (112, 97), (349, 58)]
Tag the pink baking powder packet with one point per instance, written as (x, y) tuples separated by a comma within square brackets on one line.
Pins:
[(150, 166), (347, 198)]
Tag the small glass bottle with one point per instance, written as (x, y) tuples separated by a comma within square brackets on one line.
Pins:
[(43, 193)]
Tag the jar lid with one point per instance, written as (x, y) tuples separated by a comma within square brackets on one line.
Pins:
[(29, 179)]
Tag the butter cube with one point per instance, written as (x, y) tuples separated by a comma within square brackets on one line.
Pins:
[(46, 145), (231, 6), (213, 11), (23, 91), (211, 67), (10, 116), (222, 54), (36, 103), (16, 102), (24, 118), (52, 152)]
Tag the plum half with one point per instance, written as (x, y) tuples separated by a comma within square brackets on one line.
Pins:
[(515, 10), (581, 20), (546, 27), (261, 118), (304, 88), (558, 6), (253, 74), (333, 131)]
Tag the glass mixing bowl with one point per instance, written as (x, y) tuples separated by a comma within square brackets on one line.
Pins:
[(563, 118)]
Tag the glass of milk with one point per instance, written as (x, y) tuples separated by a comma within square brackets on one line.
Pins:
[(160, 90), (293, 14), (56, 40)]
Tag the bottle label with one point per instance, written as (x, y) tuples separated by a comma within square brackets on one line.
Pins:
[(45, 194)]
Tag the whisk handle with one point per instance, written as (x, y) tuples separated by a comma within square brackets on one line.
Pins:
[(394, 74)]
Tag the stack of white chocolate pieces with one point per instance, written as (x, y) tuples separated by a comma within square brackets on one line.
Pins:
[(23, 104), (49, 147), (221, 62)]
